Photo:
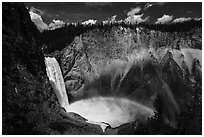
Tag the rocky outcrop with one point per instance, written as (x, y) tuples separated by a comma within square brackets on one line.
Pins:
[(24, 86), (29, 104), (17, 19), (73, 63), (20, 37), (112, 65), (24, 82)]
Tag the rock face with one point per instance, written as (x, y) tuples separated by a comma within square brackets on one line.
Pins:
[(22, 68), (20, 37), (29, 105), (17, 19), (112, 65), (73, 62), (38, 20)]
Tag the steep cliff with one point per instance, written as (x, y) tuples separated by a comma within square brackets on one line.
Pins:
[(123, 63), (29, 104)]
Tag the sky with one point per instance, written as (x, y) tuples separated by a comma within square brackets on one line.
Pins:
[(150, 12)]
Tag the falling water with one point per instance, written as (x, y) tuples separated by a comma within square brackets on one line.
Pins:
[(55, 77), (103, 111)]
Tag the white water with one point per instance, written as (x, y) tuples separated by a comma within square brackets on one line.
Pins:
[(105, 111), (114, 111), (57, 82), (102, 111)]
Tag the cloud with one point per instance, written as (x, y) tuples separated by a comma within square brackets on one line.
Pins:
[(105, 21), (95, 4), (90, 21), (134, 11), (181, 19), (164, 19), (135, 19), (148, 5), (56, 24), (38, 21), (112, 19), (197, 19)]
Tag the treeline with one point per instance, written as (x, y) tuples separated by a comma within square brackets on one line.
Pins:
[(57, 39), (174, 27)]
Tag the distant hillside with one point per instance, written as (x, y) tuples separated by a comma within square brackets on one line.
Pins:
[(189, 32)]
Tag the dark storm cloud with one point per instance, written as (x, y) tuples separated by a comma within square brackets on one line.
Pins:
[(82, 11)]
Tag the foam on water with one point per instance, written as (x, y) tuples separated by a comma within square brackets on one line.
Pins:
[(114, 111)]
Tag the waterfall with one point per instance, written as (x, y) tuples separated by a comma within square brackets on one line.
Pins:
[(102, 111), (57, 82)]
